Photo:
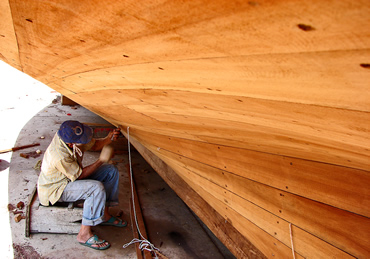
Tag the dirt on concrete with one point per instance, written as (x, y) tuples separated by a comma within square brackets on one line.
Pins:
[(25, 252)]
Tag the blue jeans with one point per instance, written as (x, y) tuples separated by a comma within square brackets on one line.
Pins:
[(99, 190)]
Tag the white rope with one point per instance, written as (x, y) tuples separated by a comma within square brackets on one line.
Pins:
[(76, 150), (144, 243), (291, 238)]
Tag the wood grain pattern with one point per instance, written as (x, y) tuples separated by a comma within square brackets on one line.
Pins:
[(289, 129), (340, 187), (272, 210), (260, 108), (231, 237), (8, 42)]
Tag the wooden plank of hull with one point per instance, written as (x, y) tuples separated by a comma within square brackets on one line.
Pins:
[(289, 129), (238, 244), (340, 187), (306, 244), (272, 211), (334, 226), (102, 34), (267, 76), (321, 228)]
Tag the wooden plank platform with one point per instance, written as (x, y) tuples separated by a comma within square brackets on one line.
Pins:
[(59, 218)]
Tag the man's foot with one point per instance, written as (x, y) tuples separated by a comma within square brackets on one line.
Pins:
[(95, 243), (113, 221)]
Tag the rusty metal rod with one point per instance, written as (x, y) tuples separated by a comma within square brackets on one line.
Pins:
[(18, 148)]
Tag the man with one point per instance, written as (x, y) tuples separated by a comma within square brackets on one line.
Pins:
[(64, 179)]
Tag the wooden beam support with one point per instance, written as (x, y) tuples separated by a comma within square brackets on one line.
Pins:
[(28, 212), (67, 101), (140, 220)]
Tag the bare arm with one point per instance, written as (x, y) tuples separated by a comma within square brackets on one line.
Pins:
[(105, 155), (88, 170)]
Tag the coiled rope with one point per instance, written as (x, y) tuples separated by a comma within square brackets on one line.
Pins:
[(144, 243)]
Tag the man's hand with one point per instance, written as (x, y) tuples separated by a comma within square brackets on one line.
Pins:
[(106, 153), (101, 142), (113, 135)]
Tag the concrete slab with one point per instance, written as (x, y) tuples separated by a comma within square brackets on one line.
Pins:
[(171, 226)]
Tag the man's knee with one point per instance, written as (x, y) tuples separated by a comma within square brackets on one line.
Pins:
[(98, 193), (112, 171), (97, 187)]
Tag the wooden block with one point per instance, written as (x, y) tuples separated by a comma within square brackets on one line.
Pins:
[(66, 101)]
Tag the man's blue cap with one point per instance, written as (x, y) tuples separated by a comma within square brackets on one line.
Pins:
[(75, 132)]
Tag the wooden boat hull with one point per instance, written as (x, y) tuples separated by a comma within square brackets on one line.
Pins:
[(255, 112)]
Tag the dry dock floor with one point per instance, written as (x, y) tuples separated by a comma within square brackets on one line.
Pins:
[(170, 225)]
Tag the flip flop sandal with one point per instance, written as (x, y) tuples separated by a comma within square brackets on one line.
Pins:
[(94, 240), (110, 222)]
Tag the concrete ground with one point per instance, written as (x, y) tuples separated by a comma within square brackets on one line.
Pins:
[(20, 99), (171, 226)]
